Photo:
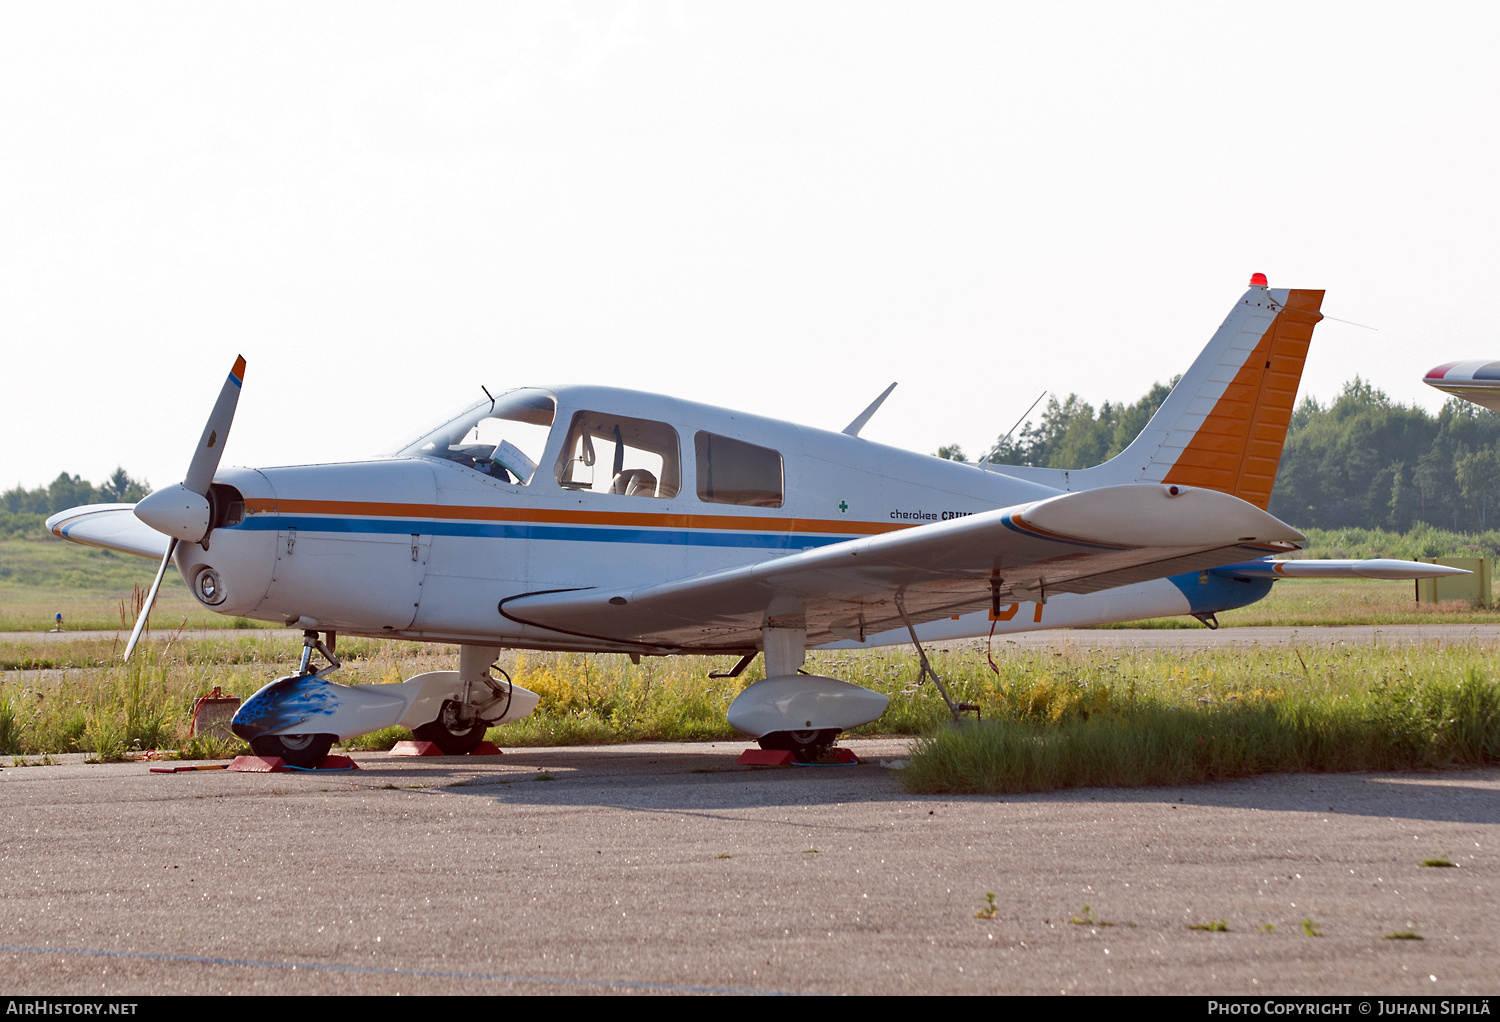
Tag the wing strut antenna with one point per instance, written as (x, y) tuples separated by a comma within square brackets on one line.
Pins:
[(926, 671), (863, 417), (1001, 442)]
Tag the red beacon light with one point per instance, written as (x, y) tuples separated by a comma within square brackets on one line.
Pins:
[(1259, 280)]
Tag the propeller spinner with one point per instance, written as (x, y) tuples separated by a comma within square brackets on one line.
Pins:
[(183, 512)]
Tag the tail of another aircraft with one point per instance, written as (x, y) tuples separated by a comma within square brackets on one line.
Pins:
[(1223, 426)]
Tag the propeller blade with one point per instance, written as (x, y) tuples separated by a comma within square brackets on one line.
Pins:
[(182, 511), (200, 473), (140, 622)]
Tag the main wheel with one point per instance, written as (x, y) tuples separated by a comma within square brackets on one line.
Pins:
[(449, 734), (293, 750), (806, 746)]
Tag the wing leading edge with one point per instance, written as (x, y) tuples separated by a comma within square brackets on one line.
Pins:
[(110, 526), (1073, 543)]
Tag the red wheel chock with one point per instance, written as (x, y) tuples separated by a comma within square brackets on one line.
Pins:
[(431, 749), (276, 765), (780, 757), (765, 757)]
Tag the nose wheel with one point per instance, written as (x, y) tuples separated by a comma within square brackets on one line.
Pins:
[(298, 750), (293, 750)]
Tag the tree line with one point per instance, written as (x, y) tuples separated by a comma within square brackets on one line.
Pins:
[(1360, 461), (23, 511)]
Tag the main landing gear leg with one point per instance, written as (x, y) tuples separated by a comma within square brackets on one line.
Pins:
[(786, 652), (926, 671), (304, 750)]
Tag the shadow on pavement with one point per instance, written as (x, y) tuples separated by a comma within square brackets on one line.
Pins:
[(710, 780)]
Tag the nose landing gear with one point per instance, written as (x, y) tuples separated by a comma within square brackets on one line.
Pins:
[(299, 750)]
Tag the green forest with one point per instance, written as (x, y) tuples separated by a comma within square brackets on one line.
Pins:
[(1361, 461), (23, 511)]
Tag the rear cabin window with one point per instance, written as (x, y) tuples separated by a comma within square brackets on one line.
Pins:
[(607, 453), (734, 472)]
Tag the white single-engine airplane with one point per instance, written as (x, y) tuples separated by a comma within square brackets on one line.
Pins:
[(596, 519)]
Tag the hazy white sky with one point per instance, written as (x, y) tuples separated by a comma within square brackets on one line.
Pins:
[(780, 208)]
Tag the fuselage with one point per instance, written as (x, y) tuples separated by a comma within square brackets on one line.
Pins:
[(428, 542)]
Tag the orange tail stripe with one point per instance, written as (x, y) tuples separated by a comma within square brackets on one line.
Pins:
[(1238, 447)]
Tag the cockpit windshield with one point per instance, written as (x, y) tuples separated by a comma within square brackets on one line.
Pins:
[(502, 438)]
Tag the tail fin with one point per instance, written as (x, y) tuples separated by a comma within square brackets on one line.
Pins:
[(1235, 447), (1224, 424)]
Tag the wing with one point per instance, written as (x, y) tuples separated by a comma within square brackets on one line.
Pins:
[(1074, 543), (111, 526)]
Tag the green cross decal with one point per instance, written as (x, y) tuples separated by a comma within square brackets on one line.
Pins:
[(843, 506)]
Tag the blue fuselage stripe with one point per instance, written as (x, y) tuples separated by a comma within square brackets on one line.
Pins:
[(517, 530)]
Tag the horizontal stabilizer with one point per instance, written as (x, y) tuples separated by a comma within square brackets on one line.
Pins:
[(110, 526), (1377, 567)]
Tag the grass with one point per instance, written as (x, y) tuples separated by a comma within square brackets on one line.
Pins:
[(1135, 719), (1422, 540), (91, 588), (380, 741), (1309, 603), (1212, 926), (1086, 917), (1053, 717), (1440, 860)]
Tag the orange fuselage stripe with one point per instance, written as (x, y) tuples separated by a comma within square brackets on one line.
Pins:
[(745, 523)]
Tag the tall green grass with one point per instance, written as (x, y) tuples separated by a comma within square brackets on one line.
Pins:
[(1422, 540), (1052, 717), (1348, 710)]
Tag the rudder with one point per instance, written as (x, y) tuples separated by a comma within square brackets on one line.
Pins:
[(1237, 447), (1224, 424)]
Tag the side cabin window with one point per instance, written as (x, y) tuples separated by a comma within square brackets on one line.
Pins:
[(734, 472), (606, 453)]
